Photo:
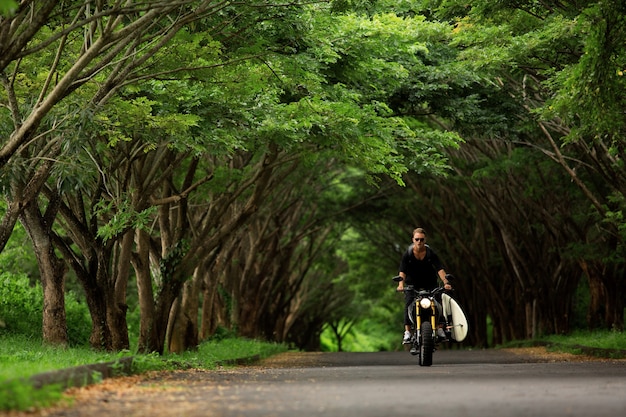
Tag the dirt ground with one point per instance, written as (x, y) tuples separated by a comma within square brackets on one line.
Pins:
[(541, 353)]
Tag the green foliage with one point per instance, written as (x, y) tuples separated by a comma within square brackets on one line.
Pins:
[(577, 55), (17, 256), (18, 395), (78, 320), (374, 335), (127, 119), (20, 304), (7, 7), (378, 329), (374, 314), (123, 218), (336, 88), (590, 96)]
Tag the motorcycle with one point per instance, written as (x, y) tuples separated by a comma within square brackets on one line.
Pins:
[(426, 314)]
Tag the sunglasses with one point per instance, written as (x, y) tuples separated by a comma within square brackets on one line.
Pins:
[(419, 239)]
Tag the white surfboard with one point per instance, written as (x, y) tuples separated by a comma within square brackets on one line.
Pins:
[(459, 322)]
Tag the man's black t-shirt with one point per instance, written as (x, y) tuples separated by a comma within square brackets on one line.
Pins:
[(421, 273)]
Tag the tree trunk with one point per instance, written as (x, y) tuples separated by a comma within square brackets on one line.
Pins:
[(97, 297), (595, 316), (165, 301), (100, 338), (52, 272), (530, 324), (118, 308), (172, 283), (141, 263), (212, 307), (184, 335)]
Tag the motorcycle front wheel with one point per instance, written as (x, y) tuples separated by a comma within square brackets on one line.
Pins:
[(427, 344)]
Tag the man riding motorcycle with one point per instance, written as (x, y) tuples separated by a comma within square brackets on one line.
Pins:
[(420, 267)]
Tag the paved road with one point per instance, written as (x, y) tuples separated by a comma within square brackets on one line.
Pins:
[(460, 383)]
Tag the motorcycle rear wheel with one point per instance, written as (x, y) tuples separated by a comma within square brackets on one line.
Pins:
[(427, 344)]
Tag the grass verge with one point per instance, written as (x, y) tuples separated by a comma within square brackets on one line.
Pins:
[(23, 358), (600, 343)]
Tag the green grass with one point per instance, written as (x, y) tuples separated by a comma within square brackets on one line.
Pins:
[(594, 343), (219, 352), (596, 339), (22, 357)]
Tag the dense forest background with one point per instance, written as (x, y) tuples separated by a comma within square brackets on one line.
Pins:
[(173, 170)]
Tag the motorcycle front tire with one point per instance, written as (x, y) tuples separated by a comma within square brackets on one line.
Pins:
[(427, 344)]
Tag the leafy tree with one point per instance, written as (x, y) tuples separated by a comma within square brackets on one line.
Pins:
[(37, 51), (536, 54), (507, 207), (147, 157), (316, 122)]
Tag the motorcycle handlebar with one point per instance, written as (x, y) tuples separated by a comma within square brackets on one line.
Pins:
[(398, 278), (434, 291)]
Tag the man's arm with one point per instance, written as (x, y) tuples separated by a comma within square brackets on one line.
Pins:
[(401, 283), (442, 277)]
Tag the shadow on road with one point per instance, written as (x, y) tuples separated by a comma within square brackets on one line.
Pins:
[(448, 357)]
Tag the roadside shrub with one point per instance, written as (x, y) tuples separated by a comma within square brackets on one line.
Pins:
[(21, 306), (21, 395), (78, 320)]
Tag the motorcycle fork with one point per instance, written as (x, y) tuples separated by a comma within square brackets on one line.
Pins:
[(418, 322), (432, 317), (418, 319)]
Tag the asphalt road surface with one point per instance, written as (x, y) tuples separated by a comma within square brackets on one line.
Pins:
[(459, 383)]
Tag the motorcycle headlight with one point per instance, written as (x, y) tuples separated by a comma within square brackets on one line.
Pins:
[(425, 303)]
